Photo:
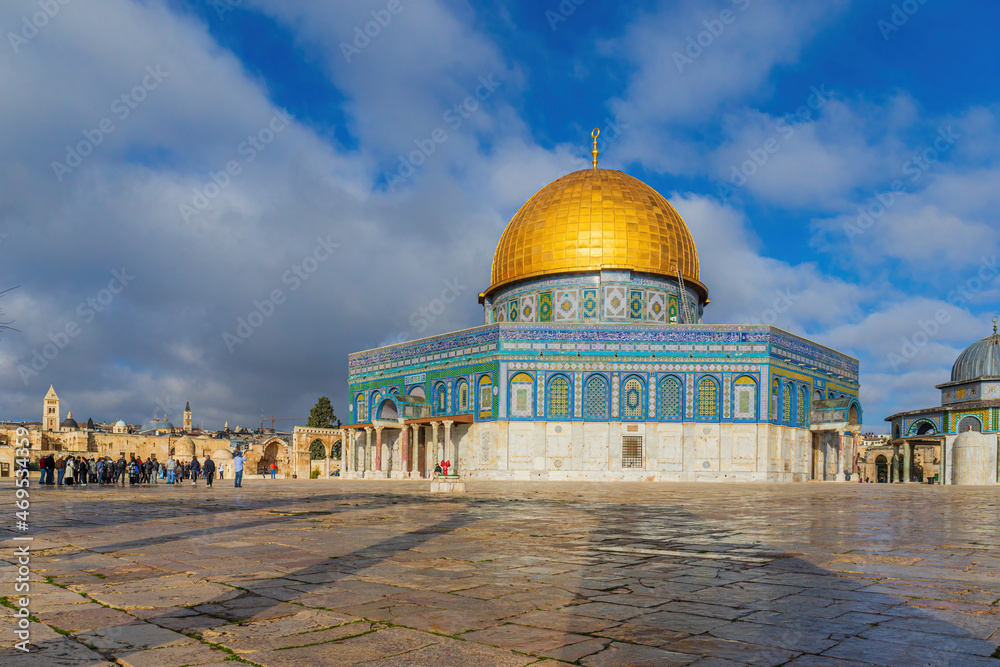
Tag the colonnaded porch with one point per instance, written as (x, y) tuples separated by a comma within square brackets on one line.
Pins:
[(836, 430), (402, 448)]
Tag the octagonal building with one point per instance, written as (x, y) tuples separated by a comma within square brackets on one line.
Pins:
[(593, 364)]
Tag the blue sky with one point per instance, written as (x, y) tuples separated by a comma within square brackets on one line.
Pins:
[(241, 176)]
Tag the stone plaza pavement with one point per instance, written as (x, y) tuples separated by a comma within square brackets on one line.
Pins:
[(330, 572)]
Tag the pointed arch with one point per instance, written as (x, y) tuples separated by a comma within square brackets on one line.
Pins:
[(559, 397), (440, 399), (786, 403), (462, 395), (670, 402), (633, 398), (708, 398), (521, 396), (595, 397), (486, 396), (745, 398)]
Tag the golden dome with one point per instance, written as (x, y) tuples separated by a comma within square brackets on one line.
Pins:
[(595, 219)]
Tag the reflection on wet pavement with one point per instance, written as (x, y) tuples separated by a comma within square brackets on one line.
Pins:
[(382, 573)]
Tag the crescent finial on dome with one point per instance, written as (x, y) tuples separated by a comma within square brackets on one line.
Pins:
[(596, 133)]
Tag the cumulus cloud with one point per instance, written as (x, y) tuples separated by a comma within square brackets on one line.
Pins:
[(324, 240)]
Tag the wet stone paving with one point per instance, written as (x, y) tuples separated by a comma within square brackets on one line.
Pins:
[(326, 572)]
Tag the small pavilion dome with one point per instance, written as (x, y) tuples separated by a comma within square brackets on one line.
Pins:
[(979, 360)]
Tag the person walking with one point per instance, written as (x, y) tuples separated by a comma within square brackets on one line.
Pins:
[(171, 468), (274, 469), (195, 469), (238, 461), (209, 469)]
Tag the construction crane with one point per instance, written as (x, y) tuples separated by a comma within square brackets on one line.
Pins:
[(685, 302), (279, 419)]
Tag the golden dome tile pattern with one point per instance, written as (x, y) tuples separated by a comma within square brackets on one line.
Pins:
[(590, 220)]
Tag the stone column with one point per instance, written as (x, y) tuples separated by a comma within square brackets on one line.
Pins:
[(840, 458), (432, 447), (415, 440), (907, 462), (369, 454), (378, 449), (894, 474), (448, 447), (404, 445)]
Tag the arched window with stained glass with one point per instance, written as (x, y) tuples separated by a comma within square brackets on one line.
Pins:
[(440, 399), (595, 398), (786, 404), (633, 398), (745, 398), (462, 395), (803, 399), (558, 397), (708, 399), (669, 403), (522, 393), (362, 408)]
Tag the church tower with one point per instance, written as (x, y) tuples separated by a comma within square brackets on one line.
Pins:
[(187, 417), (50, 411)]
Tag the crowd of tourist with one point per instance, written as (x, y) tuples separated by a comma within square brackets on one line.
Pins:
[(81, 471)]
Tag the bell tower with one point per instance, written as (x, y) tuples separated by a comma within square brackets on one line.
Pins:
[(50, 411), (187, 417)]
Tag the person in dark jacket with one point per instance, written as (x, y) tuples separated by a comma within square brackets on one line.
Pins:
[(209, 470), (82, 470), (195, 469), (50, 469), (120, 469), (61, 470)]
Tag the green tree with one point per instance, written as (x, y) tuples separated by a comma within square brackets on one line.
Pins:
[(317, 450), (321, 416), (90, 424)]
